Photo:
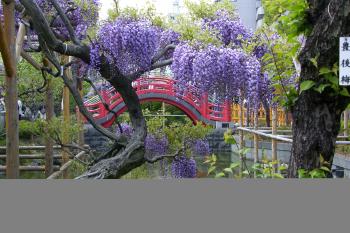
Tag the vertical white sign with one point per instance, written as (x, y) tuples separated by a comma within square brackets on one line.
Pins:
[(344, 61)]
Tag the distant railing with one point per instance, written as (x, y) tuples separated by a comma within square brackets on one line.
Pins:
[(37, 156), (275, 138)]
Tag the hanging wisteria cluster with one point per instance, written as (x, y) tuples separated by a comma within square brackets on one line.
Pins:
[(156, 144), (201, 147), (131, 44), (183, 167), (219, 70), (82, 14), (124, 130), (225, 70), (229, 27)]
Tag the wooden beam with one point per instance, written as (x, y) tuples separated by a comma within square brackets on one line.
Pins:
[(34, 156), (80, 119), (241, 136), (6, 53), (256, 138), (274, 132), (12, 139), (49, 107), (66, 115), (30, 168), (32, 148)]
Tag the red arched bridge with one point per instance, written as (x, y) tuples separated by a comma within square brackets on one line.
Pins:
[(196, 106)]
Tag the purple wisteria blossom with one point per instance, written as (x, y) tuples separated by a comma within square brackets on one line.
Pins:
[(156, 145), (201, 147), (183, 167)]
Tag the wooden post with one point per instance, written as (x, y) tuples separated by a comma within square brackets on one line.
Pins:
[(274, 132), (49, 107), (247, 120), (256, 138), (66, 116), (81, 138), (346, 123), (11, 98), (241, 136), (163, 111)]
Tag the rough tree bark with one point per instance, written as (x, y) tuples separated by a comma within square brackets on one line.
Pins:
[(316, 117)]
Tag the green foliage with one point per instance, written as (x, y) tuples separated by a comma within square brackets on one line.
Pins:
[(306, 85), (288, 16), (56, 129), (265, 169), (149, 12), (192, 31), (207, 9), (189, 25), (329, 81), (138, 173), (278, 62), (28, 129), (76, 169), (30, 79), (178, 133)]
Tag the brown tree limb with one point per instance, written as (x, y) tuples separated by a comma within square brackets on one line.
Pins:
[(44, 31), (66, 22)]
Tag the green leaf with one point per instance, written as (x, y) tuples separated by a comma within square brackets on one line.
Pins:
[(326, 169), (317, 173), (278, 176), (321, 88), (228, 170), (221, 174), (234, 165), (306, 85), (245, 172), (230, 139), (211, 169), (244, 151), (325, 70), (207, 161), (282, 168), (214, 158), (344, 92), (314, 62), (333, 79), (303, 174)]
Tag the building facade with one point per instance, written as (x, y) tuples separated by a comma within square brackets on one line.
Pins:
[(251, 12)]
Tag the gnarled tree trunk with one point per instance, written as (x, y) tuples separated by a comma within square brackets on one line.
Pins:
[(316, 117)]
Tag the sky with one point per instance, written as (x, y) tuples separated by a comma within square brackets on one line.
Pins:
[(163, 6)]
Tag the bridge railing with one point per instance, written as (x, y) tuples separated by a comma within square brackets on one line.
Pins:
[(166, 86)]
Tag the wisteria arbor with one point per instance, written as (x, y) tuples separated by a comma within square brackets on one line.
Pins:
[(125, 49)]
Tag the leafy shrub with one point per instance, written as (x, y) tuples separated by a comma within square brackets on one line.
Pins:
[(27, 129)]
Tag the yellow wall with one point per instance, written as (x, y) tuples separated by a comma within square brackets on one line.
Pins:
[(262, 119)]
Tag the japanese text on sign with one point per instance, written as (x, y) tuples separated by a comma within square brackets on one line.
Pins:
[(344, 62)]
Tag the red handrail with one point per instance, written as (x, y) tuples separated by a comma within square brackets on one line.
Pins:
[(165, 86)]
